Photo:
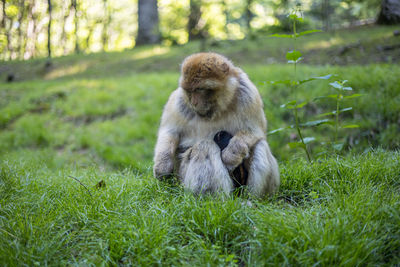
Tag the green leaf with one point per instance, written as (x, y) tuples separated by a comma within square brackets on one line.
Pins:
[(294, 16), (326, 77), (339, 86), (293, 61), (316, 123), (308, 32), (352, 96), (301, 105), (336, 85), (308, 140), (297, 144), (297, 61), (334, 112), (287, 82), (338, 146), (327, 114), (345, 109), (351, 126), (277, 130), (326, 96), (289, 105), (293, 55), (282, 35)]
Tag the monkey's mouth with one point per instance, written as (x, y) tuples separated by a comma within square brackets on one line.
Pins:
[(205, 114)]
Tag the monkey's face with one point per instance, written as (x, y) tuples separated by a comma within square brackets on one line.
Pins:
[(205, 83), (202, 100)]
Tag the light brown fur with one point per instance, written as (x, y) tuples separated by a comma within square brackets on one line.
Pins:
[(214, 95)]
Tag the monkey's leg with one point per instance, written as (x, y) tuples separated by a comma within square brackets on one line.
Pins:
[(202, 170), (263, 170)]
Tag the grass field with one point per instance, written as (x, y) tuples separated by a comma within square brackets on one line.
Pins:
[(94, 118)]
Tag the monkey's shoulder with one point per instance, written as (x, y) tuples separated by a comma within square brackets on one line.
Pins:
[(248, 96), (176, 110)]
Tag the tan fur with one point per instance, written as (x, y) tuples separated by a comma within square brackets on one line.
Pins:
[(228, 101), (205, 66)]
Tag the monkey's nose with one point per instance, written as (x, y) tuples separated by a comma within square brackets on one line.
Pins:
[(194, 102)]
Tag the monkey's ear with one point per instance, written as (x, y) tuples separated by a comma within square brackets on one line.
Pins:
[(223, 67)]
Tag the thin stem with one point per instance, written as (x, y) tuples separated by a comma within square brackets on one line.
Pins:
[(300, 135), (337, 118), (76, 179), (295, 46), (294, 86)]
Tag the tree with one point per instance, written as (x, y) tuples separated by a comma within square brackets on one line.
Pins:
[(390, 12), (21, 17), (106, 23), (148, 31), (249, 16), (326, 12), (194, 18), (3, 19), (49, 30), (74, 6)]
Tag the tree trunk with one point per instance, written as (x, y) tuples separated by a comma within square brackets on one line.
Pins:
[(249, 17), (30, 31), (63, 37), (194, 18), (390, 12), (148, 31), (106, 22), (3, 19), (8, 29), (326, 7), (20, 47), (49, 30), (75, 8)]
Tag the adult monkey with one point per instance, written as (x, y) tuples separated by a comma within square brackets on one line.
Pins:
[(214, 97)]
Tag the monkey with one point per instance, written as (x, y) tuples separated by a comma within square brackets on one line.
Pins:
[(214, 96)]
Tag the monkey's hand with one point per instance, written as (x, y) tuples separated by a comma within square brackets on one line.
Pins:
[(163, 168), (236, 151)]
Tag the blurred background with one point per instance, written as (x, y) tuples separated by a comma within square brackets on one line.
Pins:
[(40, 28)]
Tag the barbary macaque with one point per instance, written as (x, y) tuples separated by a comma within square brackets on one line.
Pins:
[(213, 129)]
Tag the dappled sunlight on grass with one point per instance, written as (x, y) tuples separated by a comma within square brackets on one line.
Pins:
[(151, 52), (67, 70), (322, 44)]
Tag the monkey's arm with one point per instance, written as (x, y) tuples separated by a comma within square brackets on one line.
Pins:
[(250, 111), (239, 148), (167, 142), (164, 155)]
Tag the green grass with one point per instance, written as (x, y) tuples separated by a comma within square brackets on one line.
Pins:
[(116, 120), (95, 117), (343, 211)]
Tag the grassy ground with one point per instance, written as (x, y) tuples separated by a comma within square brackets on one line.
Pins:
[(95, 117), (343, 211)]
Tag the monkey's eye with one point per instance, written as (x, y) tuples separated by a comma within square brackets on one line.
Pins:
[(206, 91)]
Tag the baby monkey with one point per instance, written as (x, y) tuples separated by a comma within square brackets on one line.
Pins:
[(212, 131)]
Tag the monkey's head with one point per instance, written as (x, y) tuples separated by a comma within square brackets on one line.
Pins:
[(209, 83)]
